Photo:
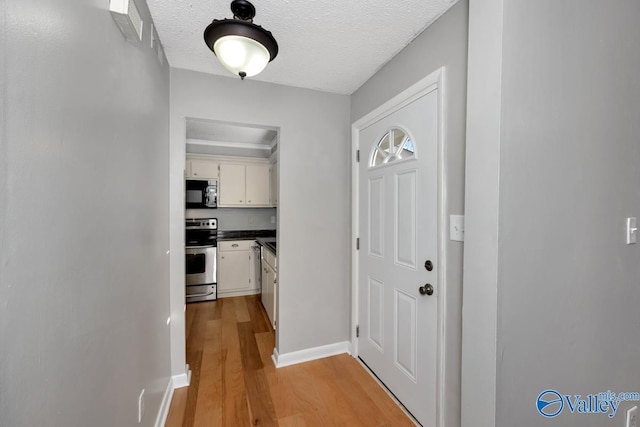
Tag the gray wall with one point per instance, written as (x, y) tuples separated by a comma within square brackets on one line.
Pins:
[(313, 206), (482, 175), (568, 292), (443, 44), (83, 218), (238, 218)]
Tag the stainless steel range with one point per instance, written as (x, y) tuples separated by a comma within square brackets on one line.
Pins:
[(201, 237)]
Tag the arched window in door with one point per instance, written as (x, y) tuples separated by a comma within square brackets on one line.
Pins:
[(393, 146)]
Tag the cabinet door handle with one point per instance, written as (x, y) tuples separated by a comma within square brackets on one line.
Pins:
[(235, 245), (248, 201), (240, 201)]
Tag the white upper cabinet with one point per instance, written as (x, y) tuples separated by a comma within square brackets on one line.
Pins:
[(274, 184), (257, 185), (202, 169), (244, 184), (231, 188)]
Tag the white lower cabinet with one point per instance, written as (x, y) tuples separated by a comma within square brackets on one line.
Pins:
[(269, 285), (234, 264)]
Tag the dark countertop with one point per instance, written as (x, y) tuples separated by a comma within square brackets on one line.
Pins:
[(269, 243), (245, 234)]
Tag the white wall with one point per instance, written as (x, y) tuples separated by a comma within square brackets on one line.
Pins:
[(567, 284), (444, 43), (83, 218), (313, 206)]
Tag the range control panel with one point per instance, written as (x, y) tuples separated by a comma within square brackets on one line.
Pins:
[(201, 223)]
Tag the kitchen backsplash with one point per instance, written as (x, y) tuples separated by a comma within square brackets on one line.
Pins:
[(238, 218)]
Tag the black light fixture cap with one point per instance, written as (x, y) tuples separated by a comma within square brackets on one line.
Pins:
[(236, 27), (243, 9)]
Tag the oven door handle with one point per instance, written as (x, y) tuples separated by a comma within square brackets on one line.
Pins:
[(199, 295), (200, 247)]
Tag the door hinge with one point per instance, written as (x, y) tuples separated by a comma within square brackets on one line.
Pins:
[(357, 156), (358, 331), (358, 244)]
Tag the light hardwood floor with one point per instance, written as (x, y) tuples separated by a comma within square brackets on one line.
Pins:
[(234, 382)]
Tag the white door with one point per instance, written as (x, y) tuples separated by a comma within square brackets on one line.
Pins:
[(398, 213)]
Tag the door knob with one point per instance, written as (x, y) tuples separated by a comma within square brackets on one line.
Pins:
[(426, 289)]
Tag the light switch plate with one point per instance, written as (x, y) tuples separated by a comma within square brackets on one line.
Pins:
[(456, 228), (632, 230), (632, 417)]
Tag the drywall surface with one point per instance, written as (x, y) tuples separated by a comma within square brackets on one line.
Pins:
[(83, 218), (313, 206), (568, 284), (482, 174), (443, 44)]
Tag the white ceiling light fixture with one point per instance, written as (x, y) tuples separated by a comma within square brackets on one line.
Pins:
[(241, 46)]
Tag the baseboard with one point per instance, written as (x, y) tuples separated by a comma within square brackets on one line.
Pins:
[(163, 412), (309, 354), (176, 381), (229, 294), (182, 380)]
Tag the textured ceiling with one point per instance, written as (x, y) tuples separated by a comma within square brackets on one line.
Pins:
[(329, 45)]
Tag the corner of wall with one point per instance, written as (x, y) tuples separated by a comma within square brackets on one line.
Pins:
[(482, 183)]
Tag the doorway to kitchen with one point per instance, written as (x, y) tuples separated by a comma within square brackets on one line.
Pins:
[(237, 165)]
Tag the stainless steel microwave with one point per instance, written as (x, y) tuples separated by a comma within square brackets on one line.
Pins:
[(201, 194)]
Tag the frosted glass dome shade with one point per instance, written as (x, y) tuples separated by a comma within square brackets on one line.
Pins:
[(242, 47), (240, 54)]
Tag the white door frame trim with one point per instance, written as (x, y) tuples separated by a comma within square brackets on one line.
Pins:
[(434, 81)]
